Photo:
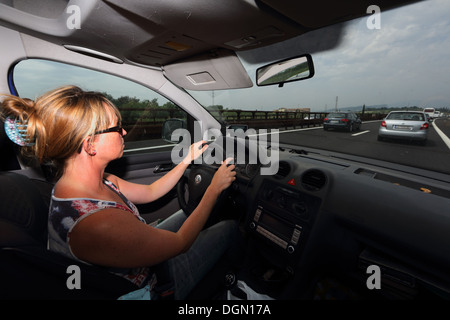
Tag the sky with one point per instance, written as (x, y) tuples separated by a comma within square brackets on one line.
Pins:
[(406, 62), (400, 64)]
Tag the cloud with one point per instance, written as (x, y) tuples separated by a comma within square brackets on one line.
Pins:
[(406, 60)]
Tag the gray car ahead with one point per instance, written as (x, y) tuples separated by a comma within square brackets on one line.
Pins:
[(348, 121)]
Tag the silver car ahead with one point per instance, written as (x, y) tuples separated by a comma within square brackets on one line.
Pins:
[(409, 125)]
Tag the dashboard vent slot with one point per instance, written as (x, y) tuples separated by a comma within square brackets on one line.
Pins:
[(283, 169), (314, 180)]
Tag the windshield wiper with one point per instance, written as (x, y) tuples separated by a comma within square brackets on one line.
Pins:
[(298, 151)]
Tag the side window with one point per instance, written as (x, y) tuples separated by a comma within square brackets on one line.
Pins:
[(143, 110)]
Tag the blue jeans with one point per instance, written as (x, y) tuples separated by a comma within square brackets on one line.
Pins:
[(188, 268)]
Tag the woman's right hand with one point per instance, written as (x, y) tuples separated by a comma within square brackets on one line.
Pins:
[(224, 176)]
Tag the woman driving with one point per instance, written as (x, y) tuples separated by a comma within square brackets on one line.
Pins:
[(93, 217)]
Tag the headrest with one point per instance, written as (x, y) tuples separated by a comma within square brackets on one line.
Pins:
[(23, 210)]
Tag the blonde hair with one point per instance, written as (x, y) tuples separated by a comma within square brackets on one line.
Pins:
[(59, 121)]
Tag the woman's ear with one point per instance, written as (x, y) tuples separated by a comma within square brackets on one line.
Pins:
[(88, 146)]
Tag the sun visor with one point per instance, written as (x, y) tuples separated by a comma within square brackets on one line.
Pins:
[(216, 70)]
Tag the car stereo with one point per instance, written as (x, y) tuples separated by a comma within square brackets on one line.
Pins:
[(283, 233), (283, 216)]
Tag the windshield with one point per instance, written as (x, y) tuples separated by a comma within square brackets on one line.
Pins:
[(395, 61), (405, 116), (337, 115)]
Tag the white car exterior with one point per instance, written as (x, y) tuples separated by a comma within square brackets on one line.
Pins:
[(430, 112)]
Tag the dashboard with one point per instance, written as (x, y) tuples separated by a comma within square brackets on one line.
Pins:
[(326, 213), (331, 213)]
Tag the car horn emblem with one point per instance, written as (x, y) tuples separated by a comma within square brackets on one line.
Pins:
[(198, 179)]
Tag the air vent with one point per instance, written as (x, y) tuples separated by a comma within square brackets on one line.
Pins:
[(314, 180), (283, 169)]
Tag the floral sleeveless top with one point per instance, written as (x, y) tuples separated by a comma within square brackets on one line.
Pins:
[(64, 214)]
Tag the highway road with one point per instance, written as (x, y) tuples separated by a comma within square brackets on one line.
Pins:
[(434, 155)]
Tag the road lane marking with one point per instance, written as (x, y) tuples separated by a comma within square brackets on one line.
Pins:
[(258, 134), (302, 129), (442, 135), (362, 132)]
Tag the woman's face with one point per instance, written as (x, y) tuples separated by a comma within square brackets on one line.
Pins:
[(111, 144)]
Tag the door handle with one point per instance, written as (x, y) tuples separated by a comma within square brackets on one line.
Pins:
[(163, 167)]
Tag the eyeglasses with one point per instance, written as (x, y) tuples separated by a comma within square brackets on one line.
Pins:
[(118, 129)]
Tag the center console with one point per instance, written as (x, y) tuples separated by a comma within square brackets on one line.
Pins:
[(282, 218)]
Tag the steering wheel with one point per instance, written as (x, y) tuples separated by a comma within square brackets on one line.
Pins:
[(194, 182), (197, 178)]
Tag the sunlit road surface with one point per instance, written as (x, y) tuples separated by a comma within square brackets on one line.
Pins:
[(434, 155)]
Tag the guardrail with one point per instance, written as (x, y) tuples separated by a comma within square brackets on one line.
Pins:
[(291, 119), (150, 127)]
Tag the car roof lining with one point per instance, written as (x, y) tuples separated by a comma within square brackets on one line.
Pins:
[(34, 48), (162, 33), (149, 26)]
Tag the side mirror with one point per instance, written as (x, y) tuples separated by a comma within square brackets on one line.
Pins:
[(169, 126), (294, 69)]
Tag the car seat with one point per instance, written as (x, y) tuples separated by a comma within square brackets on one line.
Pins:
[(27, 269)]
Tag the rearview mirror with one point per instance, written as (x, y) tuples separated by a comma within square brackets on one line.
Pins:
[(280, 72)]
